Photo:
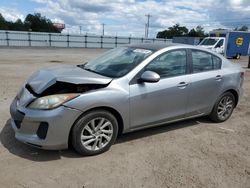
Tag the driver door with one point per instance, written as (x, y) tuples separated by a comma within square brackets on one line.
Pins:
[(219, 48), (165, 100)]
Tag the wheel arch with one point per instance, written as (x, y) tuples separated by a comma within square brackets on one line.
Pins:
[(106, 108), (236, 95)]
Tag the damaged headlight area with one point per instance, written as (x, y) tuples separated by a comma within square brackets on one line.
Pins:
[(52, 101)]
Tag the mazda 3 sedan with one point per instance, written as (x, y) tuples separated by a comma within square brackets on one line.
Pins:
[(125, 89)]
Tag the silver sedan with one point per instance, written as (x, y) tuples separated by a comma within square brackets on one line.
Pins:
[(125, 89)]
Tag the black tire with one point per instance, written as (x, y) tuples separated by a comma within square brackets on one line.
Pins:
[(237, 56), (214, 116), (83, 121)]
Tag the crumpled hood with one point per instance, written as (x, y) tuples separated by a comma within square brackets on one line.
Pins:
[(45, 78)]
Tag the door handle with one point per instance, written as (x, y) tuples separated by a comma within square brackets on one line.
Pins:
[(218, 78), (182, 85)]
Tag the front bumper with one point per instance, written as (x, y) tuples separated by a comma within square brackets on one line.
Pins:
[(46, 129)]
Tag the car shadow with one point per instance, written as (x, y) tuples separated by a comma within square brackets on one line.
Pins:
[(7, 138), (161, 129)]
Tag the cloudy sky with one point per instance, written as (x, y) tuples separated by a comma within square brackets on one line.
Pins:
[(127, 17)]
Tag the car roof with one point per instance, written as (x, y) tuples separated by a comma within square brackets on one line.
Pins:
[(158, 46), (153, 46)]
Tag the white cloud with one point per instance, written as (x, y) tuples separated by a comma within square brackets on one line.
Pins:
[(11, 14), (125, 17)]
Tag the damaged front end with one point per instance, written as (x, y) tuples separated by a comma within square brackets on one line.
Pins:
[(63, 82), (36, 118), (38, 112), (64, 87), (66, 79)]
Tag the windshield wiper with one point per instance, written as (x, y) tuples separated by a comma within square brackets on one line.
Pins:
[(90, 70), (82, 65), (87, 69)]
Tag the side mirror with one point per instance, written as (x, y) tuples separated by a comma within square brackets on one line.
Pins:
[(150, 76)]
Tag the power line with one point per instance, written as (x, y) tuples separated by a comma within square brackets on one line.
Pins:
[(198, 22), (225, 23)]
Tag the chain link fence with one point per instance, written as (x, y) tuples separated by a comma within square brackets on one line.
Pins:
[(38, 39)]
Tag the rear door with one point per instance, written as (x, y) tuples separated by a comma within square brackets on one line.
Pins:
[(206, 82)]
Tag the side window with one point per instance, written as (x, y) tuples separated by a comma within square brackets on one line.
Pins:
[(202, 61), (170, 64), (219, 44), (216, 62)]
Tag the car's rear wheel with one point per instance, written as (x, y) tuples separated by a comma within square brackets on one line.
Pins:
[(223, 108), (94, 132)]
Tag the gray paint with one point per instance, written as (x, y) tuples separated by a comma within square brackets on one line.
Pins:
[(45, 78), (140, 105)]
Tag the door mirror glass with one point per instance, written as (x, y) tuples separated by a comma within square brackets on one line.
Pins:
[(150, 76)]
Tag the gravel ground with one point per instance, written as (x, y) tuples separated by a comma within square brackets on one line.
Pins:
[(193, 153)]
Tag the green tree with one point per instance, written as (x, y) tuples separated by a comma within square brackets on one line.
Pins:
[(192, 33), (3, 23), (173, 31), (18, 25), (38, 23), (198, 32)]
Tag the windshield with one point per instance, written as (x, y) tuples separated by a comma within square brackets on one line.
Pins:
[(117, 62), (208, 42)]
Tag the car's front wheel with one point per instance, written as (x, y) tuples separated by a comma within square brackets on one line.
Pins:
[(94, 132), (223, 108)]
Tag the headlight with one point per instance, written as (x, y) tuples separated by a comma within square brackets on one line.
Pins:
[(52, 101)]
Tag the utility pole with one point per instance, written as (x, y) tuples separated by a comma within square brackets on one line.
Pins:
[(248, 62), (103, 29), (80, 28), (147, 25)]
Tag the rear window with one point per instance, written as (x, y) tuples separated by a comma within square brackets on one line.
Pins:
[(203, 61), (216, 62)]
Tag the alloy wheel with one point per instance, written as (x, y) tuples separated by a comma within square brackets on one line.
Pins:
[(96, 134), (225, 107)]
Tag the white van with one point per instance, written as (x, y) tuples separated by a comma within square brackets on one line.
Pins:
[(216, 44)]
